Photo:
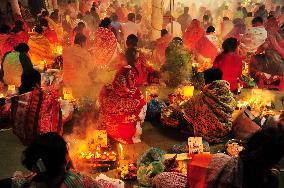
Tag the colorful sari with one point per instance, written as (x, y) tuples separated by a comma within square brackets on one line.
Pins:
[(253, 39), (177, 63), (210, 112), (104, 49), (72, 179), (193, 34), (206, 47), (231, 65), (40, 50), (122, 108), (35, 113), (77, 180)]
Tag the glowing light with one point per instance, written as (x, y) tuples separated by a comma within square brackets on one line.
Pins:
[(188, 91), (121, 152)]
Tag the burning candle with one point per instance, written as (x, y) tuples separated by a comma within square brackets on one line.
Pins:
[(12, 89), (188, 91), (104, 156), (121, 152), (97, 155), (59, 50), (1, 95), (112, 156), (184, 169)]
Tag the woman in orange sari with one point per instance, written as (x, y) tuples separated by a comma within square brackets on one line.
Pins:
[(193, 34), (122, 108), (40, 49)]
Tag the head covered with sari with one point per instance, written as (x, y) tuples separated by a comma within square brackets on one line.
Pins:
[(192, 34), (124, 80), (105, 45), (210, 112)]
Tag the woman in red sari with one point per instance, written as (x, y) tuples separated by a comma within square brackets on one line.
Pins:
[(35, 111), (159, 54), (192, 34), (80, 28), (137, 61), (105, 47), (207, 46), (230, 63), (49, 33), (122, 108)]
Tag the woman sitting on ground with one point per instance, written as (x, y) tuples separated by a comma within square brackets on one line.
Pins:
[(123, 108), (268, 65), (35, 111), (177, 63), (105, 47), (230, 63), (256, 166), (40, 48), (137, 61), (208, 45), (209, 114)]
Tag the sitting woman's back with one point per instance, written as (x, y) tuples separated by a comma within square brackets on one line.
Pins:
[(210, 112), (35, 111)]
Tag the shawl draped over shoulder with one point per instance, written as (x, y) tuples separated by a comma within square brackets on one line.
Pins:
[(210, 112)]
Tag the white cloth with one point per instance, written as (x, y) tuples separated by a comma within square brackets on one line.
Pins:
[(253, 39), (214, 40), (130, 28), (177, 32)]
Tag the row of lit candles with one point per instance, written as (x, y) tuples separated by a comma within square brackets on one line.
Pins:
[(105, 156)]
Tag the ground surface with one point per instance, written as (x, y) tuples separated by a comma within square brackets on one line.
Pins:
[(154, 135)]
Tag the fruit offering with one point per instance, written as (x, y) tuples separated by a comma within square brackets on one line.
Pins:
[(128, 172)]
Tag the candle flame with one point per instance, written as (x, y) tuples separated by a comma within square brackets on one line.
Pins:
[(120, 146)]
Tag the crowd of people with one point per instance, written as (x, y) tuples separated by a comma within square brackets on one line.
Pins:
[(105, 45)]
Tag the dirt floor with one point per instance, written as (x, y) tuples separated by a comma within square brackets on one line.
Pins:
[(154, 135)]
